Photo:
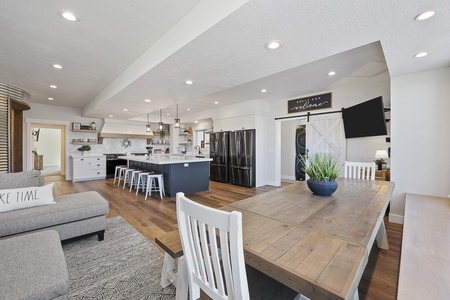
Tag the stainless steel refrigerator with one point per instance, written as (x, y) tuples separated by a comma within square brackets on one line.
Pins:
[(219, 152), (242, 158)]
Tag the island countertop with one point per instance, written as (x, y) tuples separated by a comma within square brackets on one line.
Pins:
[(164, 160)]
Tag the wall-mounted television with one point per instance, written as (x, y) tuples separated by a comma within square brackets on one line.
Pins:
[(365, 119)]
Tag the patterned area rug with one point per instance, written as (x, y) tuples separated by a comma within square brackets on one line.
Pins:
[(123, 266)]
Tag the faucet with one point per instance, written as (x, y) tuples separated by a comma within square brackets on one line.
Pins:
[(199, 149)]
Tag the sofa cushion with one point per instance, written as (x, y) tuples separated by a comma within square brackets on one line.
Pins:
[(33, 266), (21, 179), (19, 198), (68, 208)]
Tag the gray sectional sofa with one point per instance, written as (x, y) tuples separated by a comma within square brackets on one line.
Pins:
[(71, 216), (32, 263)]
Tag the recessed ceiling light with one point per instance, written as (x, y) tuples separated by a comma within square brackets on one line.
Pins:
[(273, 45), (148, 100), (263, 90), (331, 73), (424, 15), (421, 54), (167, 114), (189, 82), (195, 121), (69, 16), (51, 99), (216, 102), (125, 109), (188, 109), (57, 66), (111, 116), (53, 86)]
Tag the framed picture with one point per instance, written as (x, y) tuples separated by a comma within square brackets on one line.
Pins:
[(76, 126)]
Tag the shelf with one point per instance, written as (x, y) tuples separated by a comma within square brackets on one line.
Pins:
[(160, 144), (157, 134), (84, 143), (184, 134), (84, 130), (185, 144)]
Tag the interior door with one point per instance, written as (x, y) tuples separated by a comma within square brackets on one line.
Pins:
[(325, 134)]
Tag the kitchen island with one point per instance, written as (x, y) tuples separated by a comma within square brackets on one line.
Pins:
[(187, 174)]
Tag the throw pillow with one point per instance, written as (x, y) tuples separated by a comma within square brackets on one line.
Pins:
[(19, 198)]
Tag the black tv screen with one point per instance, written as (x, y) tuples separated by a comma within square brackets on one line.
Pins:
[(365, 119)]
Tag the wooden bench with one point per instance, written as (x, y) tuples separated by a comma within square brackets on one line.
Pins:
[(425, 260)]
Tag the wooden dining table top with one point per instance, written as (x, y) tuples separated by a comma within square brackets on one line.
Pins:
[(316, 245)]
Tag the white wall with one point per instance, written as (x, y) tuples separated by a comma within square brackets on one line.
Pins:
[(48, 145), (358, 149), (420, 136)]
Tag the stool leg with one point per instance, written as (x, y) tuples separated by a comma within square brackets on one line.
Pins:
[(131, 180), (120, 176), (148, 186), (137, 186), (160, 188)]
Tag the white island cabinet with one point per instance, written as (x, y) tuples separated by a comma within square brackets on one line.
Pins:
[(88, 167)]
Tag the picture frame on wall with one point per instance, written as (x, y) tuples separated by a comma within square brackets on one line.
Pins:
[(76, 126)]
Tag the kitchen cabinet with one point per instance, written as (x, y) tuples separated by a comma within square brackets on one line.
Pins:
[(88, 167)]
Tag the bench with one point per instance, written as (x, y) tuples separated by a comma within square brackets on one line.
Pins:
[(170, 242), (425, 261)]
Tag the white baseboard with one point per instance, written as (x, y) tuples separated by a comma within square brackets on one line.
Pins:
[(396, 218), (287, 177), (272, 183)]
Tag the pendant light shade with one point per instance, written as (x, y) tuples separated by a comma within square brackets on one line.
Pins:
[(148, 127), (160, 120), (177, 120)]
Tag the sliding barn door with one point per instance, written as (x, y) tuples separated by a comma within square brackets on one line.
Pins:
[(325, 134)]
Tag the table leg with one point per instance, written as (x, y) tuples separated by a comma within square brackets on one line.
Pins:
[(167, 275), (382, 240), (182, 280)]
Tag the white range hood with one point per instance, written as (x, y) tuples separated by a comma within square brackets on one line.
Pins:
[(124, 129)]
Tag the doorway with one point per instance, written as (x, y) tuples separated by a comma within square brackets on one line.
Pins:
[(48, 148)]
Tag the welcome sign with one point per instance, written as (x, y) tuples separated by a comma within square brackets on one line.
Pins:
[(309, 103)]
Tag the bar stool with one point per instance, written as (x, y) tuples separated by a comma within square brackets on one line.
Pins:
[(117, 172), (151, 185), (127, 177), (141, 183), (121, 173), (134, 175)]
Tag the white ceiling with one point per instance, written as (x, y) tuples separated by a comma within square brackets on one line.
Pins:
[(122, 52)]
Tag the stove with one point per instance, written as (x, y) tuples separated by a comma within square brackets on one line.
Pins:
[(113, 160), (112, 156)]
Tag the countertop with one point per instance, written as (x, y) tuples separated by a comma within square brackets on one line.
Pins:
[(165, 160), (87, 155)]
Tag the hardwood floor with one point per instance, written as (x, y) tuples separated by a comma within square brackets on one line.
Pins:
[(155, 216)]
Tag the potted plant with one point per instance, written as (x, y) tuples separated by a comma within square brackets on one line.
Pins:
[(380, 162), (84, 148), (162, 135), (322, 169)]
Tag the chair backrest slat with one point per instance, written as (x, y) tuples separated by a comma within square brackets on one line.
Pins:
[(359, 170)]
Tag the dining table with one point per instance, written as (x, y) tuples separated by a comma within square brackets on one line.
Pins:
[(317, 245)]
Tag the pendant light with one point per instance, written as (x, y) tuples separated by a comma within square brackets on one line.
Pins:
[(177, 121), (148, 127), (160, 120)]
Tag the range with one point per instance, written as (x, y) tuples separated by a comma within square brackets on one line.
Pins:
[(113, 160)]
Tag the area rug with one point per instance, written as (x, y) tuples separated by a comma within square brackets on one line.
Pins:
[(123, 266)]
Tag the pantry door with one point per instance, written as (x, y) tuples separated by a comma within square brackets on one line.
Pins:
[(325, 134)]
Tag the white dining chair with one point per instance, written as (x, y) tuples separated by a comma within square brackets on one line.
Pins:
[(214, 256), (359, 170)]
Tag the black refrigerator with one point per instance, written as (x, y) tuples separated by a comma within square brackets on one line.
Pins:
[(242, 158), (219, 152)]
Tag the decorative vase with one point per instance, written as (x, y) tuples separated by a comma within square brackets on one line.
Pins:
[(380, 167), (83, 153), (322, 188)]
